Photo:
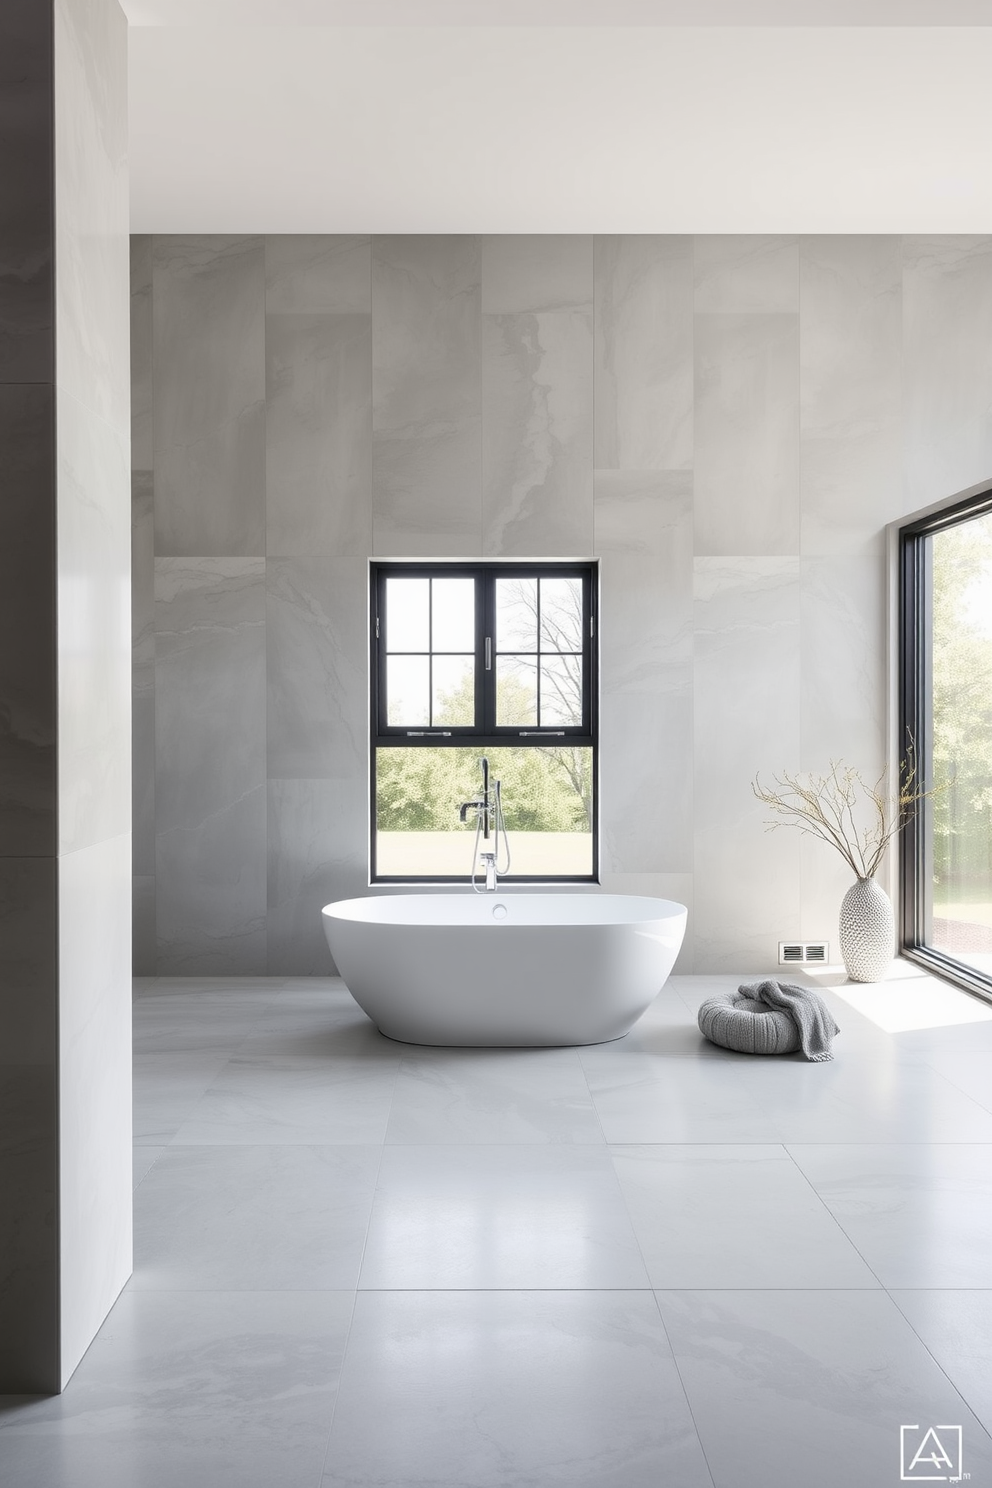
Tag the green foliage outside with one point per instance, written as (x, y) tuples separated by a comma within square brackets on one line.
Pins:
[(543, 789), (962, 711)]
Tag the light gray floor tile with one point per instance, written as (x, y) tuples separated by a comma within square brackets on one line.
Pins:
[(733, 1216), (956, 1327), (273, 1218), (196, 1022), (969, 1070), (144, 1159), (165, 1088), (863, 1101), (641, 1098), (511, 1390), (503, 1217), (920, 1215), (509, 1095), (808, 1387), (220, 1390), (268, 1099)]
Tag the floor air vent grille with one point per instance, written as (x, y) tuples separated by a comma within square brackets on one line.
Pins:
[(802, 952)]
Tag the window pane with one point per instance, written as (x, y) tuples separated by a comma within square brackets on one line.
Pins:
[(516, 691), (453, 616), (454, 689), (960, 918), (516, 614), (561, 615), (407, 615), (407, 691), (547, 804), (561, 691)]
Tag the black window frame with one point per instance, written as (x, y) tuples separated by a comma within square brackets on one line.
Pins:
[(916, 724), (485, 734)]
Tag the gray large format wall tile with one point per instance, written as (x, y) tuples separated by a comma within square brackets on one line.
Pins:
[(851, 392), (426, 396), (747, 681), (522, 271), (318, 433), (210, 764), (29, 1339), (142, 387), (747, 434), (209, 371), (26, 226), (537, 433), (947, 294), (317, 668), (143, 673), (27, 637), (318, 274), (644, 538), (644, 393), (318, 831), (746, 274)]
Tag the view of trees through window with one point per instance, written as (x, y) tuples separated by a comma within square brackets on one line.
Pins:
[(960, 845), (538, 683)]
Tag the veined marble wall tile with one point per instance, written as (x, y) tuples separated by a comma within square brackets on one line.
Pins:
[(644, 511), (318, 434), (210, 754), (843, 706), (144, 949), (26, 226), (142, 673), (645, 777), (644, 375), (947, 337), (318, 273), (850, 391), (537, 434), (645, 626), (28, 959), (426, 396), (317, 645), (94, 1113), (747, 435), (529, 271), (318, 852), (29, 1284), (94, 627), (27, 635), (142, 389), (747, 719), (746, 274), (91, 209), (209, 370)]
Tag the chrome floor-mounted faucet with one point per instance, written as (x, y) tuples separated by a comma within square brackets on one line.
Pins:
[(489, 825)]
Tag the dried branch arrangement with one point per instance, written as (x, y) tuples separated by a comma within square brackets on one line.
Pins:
[(858, 819)]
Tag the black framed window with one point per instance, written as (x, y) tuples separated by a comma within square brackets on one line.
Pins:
[(946, 710), (473, 659)]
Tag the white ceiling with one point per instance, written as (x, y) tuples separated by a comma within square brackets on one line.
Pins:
[(560, 115)]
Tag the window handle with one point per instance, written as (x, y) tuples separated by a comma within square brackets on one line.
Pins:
[(489, 653), (541, 734), (428, 733)]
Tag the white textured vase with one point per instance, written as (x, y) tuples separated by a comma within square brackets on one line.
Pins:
[(867, 931)]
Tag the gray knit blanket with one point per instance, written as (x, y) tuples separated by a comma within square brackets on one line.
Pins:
[(807, 1009)]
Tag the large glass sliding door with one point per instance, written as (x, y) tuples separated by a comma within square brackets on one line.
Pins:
[(947, 713)]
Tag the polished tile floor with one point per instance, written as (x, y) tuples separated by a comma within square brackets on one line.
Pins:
[(648, 1264)]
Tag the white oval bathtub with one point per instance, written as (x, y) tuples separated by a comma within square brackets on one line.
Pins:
[(504, 969)]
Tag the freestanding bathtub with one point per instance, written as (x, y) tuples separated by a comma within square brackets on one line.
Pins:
[(518, 970)]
